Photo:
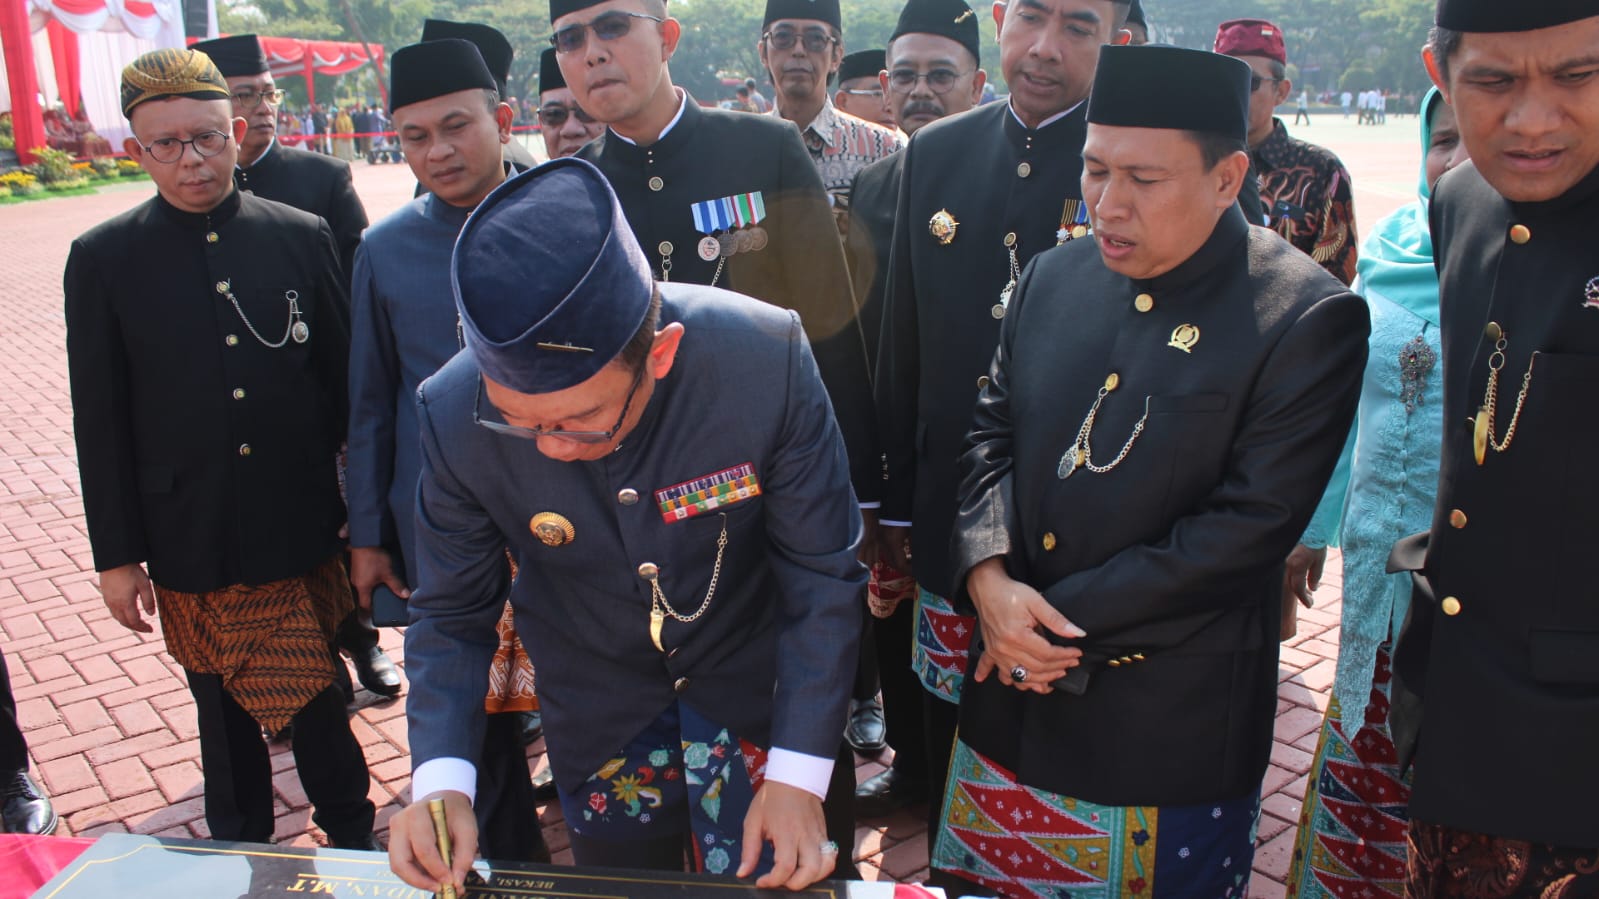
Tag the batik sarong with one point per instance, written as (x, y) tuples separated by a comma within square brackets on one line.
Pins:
[(1352, 827), (1028, 843)]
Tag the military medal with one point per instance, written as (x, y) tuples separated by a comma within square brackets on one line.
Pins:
[(749, 210), (741, 241), (1073, 222), (708, 493), (713, 218), (729, 244), (942, 226), (1590, 294)]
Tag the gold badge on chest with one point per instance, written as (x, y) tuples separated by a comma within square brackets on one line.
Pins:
[(1184, 338), (943, 226), (552, 529)]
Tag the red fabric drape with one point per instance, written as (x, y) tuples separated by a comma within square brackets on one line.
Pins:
[(64, 53), (16, 38)]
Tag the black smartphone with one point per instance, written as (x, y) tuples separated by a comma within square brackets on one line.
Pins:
[(388, 609)]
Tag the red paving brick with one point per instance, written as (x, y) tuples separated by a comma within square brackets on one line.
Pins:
[(106, 712)]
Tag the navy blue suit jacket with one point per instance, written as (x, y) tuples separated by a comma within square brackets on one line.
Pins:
[(773, 656)]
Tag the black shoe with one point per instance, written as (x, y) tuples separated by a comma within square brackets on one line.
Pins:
[(366, 843), (887, 792), (376, 671), (24, 808), (531, 726), (866, 732), (544, 786)]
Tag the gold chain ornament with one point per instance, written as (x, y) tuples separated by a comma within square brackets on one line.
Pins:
[(1080, 454), (1483, 433), (661, 609)]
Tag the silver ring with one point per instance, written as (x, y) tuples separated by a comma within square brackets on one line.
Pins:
[(1018, 674), (829, 847)]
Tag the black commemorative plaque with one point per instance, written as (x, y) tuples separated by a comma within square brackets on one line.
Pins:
[(135, 867)]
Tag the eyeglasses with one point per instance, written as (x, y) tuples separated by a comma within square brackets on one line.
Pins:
[(607, 26), (1255, 81), (556, 114), (250, 99), (815, 39), (939, 81), (574, 436), (170, 149)]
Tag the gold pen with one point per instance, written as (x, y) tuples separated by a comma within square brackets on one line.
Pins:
[(442, 831)]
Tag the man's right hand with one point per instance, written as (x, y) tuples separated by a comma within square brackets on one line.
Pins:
[(1012, 614), (125, 589), (894, 547), (414, 847), (370, 566)]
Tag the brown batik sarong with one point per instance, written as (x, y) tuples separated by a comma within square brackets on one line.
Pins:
[(511, 673), (269, 643), (1446, 863)]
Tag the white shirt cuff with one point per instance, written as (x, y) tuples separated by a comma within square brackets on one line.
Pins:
[(446, 773), (887, 522), (872, 505), (810, 773)]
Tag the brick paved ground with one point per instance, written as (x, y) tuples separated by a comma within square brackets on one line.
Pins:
[(106, 713)]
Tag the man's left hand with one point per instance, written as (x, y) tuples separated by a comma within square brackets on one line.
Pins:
[(791, 820), (1302, 574)]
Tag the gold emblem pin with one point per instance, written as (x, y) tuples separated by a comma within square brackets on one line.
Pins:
[(552, 529), (1184, 338), (942, 227)]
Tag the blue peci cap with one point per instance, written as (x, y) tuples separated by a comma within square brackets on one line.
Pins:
[(548, 278)]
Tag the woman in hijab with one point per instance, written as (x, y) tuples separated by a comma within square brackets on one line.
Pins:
[(1353, 823)]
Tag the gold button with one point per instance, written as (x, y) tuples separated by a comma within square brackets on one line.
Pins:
[(1010, 239), (238, 393), (1127, 660), (1493, 332), (1138, 656), (1049, 542), (1023, 170), (649, 571), (1520, 234), (222, 287), (656, 183), (1144, 302), (244, 450), (665, 248), (982, 381), (211, 237), (231, 340), (1457, 519), (1115, 663), (627, 496), (1451, 606), (1113, 381), (680, 685)]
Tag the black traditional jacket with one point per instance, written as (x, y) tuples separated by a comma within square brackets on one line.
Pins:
[(1503, 650), (1243, 365), (204, 452), (711, 154)]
